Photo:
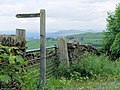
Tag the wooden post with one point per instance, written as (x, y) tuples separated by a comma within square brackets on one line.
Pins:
[(42, 42), (21, 32), (42, 48), (63, 52)]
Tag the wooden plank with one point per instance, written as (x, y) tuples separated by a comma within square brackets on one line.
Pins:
[(28, 15), (42, 48)]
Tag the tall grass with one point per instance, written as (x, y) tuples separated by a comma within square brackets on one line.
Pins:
[(100, 66), (91, 67)]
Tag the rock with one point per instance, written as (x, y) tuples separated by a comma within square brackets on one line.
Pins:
[(13, 40), (77, 51)]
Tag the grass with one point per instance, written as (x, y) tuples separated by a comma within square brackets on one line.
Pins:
[(31, 78), (92, 72), (64, 84), (91, 66), (89, 35), (92, 41), (33, 44)]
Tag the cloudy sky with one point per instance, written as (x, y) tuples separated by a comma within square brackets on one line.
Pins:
[(61, 14)]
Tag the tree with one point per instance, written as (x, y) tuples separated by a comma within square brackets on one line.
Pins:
[(115, 47), (112, 34)]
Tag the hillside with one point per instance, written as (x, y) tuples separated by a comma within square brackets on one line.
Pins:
[(89, 35), (63, 33), (67, 32), (89, 38)]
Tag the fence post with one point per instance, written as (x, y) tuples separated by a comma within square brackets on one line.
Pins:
[(21, 32), (42, 48), (63, 52)]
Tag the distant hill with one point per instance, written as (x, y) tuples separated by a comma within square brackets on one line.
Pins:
[(63, 33), (67, 32), (36, 35), (88, 35), (88, 38)]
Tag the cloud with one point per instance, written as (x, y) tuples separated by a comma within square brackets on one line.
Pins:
[(61, 14)]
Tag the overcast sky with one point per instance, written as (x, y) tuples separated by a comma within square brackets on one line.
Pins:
[(61, 14)]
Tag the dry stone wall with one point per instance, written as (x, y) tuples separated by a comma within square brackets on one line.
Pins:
[(77, 51), (13, 40)]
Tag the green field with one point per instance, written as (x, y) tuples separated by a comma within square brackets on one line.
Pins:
[(90, 38), (93, 38), (33, 44), (89, 35)]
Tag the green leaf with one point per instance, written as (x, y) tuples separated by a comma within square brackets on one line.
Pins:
[(9, 49), (5, 78), (18, 78), (21, 60), (17, 67), (12, 59), (4, 55)]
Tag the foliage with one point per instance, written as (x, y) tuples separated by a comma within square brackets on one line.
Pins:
[(11, 63), (115, 47), (90, 67), (32, 79), (111, 34)]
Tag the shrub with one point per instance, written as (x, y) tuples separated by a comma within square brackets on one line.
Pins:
[(90, 66), (11, 70)]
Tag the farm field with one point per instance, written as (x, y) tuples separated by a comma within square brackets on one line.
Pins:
[(33, 44), (98, 35), (90, 38), (87, 38)]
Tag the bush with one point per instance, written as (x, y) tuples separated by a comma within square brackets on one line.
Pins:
[(90, 67), (11, 71)]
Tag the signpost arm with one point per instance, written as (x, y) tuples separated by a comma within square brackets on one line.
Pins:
[(42, 48)]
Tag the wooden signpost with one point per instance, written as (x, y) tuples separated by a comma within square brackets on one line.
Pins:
[(28, 15), (42, 16)]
